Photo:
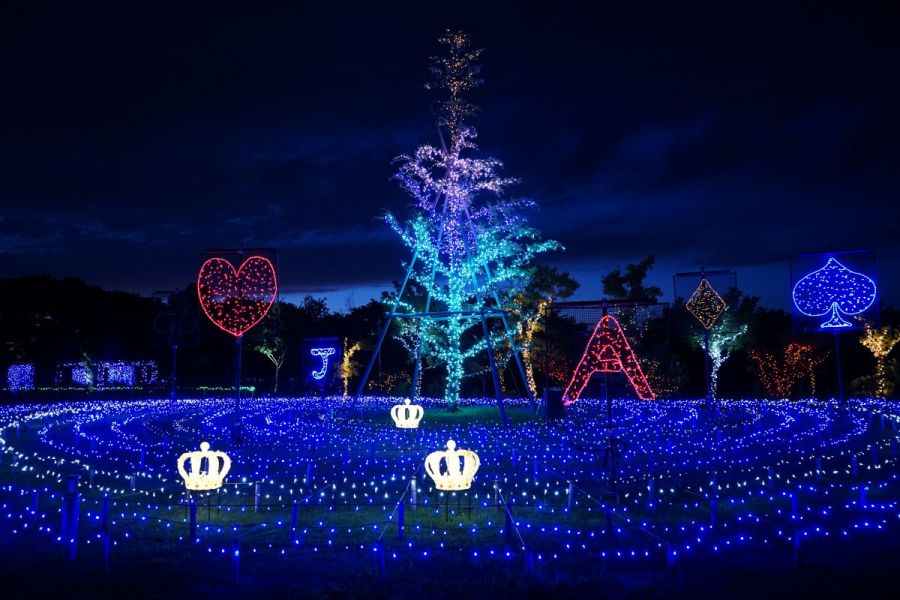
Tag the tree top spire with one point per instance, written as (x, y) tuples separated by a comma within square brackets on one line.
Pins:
[(455, 73)]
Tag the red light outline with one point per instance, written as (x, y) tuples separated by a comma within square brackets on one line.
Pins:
[(237, 274), (607, 335)]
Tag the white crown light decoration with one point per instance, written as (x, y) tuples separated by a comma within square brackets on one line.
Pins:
[(407, 416), (461, 466), (209, 479)]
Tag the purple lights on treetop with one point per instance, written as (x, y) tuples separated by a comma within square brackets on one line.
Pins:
[(834, 289)]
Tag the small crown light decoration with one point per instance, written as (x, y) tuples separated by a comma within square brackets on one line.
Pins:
[(407, 416), (209, 479), (461, 467), (706, 304)]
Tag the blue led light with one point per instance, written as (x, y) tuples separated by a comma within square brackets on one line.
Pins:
[(322, 353), (740, 492), (82, 375), (836, 290), (20, 377)]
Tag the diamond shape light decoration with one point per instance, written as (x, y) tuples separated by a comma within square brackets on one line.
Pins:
[(705, 304)]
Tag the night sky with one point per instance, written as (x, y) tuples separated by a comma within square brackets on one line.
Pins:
[(135, 137)]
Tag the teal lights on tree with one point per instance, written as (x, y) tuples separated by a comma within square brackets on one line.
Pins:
[(472, 248), (721, 344)]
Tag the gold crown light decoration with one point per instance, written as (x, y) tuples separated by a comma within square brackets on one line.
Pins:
[(460, 467), (407, 416), (217, 466)]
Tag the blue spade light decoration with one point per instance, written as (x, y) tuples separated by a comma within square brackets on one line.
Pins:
[(836, 290)]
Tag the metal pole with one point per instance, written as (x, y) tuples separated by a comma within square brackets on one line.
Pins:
[(840, 371), (512, 343), (294, 514), (193, 520), (174, 363), (72, 501), (237, 383), (497, 389), (417, 369), (706, 368), (384, 329)]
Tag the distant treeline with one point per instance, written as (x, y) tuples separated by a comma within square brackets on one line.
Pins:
[(46, 321)]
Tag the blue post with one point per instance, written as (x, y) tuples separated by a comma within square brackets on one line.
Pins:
[(106, 544), (193, 521), (104, 513), (294, 513), (236, 558), (64, 517), (72, 501), (507, 526), (380, 552)]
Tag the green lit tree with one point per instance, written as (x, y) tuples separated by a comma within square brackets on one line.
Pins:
[(472, 248), (269, 341)]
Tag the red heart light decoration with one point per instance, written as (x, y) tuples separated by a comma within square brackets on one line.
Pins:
[(233, 300)]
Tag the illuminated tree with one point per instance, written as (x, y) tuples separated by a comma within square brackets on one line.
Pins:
[(727, 332), (780, 376), (472, 246), (269, 341), (880, 342), (532, 305), (721, 345), (349, 368)]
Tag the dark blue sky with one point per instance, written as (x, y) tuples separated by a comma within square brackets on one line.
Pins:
[(132, 139)]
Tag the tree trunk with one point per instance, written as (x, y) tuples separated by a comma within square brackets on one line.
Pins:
[(277, 371)]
